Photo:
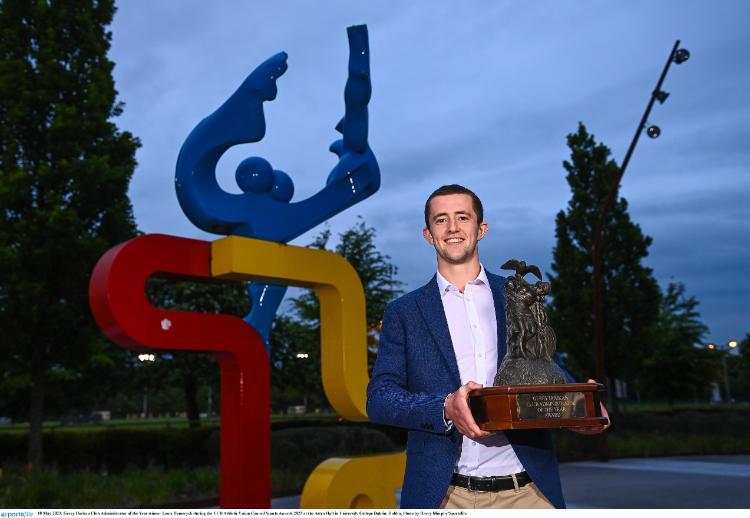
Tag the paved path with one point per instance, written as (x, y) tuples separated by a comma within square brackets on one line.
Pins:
[(671, 482)]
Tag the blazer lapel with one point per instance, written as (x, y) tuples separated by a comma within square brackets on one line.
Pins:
[(496, 284), (431, 307)]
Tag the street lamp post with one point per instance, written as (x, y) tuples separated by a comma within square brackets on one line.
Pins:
[(145, 359), (678, 56), (144, 408), (304, 356), (725, 349)]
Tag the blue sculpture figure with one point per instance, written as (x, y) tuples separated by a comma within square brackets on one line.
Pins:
[(264, 210)]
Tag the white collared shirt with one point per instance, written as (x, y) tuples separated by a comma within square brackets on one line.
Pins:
[(473, 328)]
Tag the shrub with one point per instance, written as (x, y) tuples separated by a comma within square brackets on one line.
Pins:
[(51, 489), (114, 450)]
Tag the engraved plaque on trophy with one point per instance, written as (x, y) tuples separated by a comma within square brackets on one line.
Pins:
[(531, 390)]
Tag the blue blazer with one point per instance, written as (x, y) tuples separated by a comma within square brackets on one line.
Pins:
[(415, 370)]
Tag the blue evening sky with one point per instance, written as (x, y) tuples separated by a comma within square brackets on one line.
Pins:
[(480, 93)]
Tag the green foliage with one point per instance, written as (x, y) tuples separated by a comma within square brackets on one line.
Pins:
[(677, 365), (133, 459), (64, 174), (85, 489), (572, 447), (116, 450), (738, 369), (206, 297), (296, 452), (646, 434), (294, 379), (631, 294)]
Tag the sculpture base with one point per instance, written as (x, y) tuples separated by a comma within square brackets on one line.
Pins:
[(537, 406), (525, 371)]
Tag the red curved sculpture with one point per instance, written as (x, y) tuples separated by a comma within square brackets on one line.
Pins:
[(118, 301)]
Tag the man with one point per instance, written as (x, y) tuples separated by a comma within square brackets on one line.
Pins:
[(436, 345)]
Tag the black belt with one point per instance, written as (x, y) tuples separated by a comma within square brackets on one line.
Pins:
[(487, 484)]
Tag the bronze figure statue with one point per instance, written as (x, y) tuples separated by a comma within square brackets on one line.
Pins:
[(531, 340)]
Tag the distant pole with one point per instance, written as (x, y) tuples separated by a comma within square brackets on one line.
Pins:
[(598, 294), (728, 349), (725, 350)]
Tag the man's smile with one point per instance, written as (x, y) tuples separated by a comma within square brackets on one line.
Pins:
[(452, 228)]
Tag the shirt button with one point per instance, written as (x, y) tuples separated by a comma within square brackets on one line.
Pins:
[(474, 326), (479, 355)]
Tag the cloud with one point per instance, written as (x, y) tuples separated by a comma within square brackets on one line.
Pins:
[(476, 93)]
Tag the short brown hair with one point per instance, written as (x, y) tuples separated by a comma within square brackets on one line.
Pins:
[(454, 189)]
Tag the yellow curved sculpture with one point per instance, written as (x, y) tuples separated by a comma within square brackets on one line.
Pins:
[(337, 483), (342, 307), (355, 482)]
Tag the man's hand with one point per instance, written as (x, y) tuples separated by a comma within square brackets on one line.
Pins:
[(593, 430), (457, 410)]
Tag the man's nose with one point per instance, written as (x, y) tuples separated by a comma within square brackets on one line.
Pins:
[(452, 225)]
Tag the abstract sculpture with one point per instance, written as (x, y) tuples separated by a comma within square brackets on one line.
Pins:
[(257, 223), (264, 210)]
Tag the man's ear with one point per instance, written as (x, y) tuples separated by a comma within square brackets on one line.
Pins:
[(428, 236), (483, 228)]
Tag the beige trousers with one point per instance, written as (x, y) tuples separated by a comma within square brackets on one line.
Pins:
[(526, 497)]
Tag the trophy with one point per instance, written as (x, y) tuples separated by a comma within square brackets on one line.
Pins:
[(531, 390)]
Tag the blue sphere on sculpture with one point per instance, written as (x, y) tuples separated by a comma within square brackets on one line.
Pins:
[(283, 187), (254, 174)]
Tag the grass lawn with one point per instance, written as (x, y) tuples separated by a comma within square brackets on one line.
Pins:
[(50, 488)]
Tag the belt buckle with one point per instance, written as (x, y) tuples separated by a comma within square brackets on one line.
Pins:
[(474, 489)]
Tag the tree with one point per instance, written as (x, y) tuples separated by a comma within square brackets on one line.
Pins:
[(631, 294), (189, 369), (678, 365), (295, 364), (64, 174), (300, 333)]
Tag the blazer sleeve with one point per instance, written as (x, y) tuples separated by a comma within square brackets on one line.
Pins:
[(389, 400)]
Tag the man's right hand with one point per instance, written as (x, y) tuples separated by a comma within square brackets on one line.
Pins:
[(457, 410)]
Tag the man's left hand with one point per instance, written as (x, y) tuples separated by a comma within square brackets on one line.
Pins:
[(593, 430)]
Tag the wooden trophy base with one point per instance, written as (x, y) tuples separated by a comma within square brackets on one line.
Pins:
[(519, 407)]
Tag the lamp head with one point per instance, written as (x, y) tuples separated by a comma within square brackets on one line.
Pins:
[(661, 96), (653, 131), (681, 55)]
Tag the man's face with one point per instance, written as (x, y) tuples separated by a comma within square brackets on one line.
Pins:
[(454, 230)]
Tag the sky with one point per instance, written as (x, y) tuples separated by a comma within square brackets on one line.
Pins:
[(481, 93)]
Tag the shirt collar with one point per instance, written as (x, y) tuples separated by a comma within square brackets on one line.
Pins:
[(444, 284)]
